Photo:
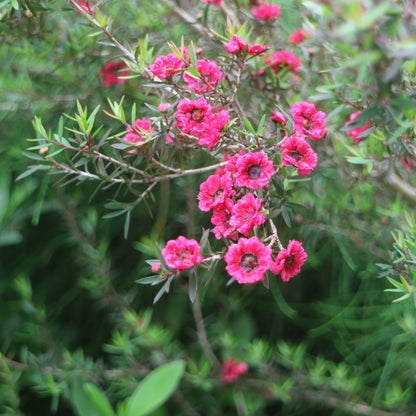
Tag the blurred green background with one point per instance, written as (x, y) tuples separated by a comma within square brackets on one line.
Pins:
[(70, 308)]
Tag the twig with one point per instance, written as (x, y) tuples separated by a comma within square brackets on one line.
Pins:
[(202, 335)]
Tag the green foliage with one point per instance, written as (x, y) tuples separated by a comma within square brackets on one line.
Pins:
[(79, 336)]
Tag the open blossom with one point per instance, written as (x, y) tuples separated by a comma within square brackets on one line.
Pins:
[(166, 65), (289, 260), (248, 260), (354, 133), (214, 191), (278, 118), (298, 36), (221, 219), (141, 127), (253, 170), (307, 120), (283, 59), (232, 370), (297, 152), (210, 75), (197, 119), (112, 71), (181, 254), (246, 214), (266, 11), (236, 44)]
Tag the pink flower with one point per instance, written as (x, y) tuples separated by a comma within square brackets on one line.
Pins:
[(307, 120), (289, 260), (209, 76), (354, 133), (197, 119), (86, 6), (253, 170), (236, 44), (156, 267), (266, 11), (163, 107), (248, 260), (141, 127), (297, 152), (181, 254), (246, 214), (278, 118), (283, 59), (214, 191), (221, 219), (232, 370), (298, 35), (112, 71), (217, 2), (166, 65)]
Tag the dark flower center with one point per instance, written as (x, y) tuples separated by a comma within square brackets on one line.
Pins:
[(227, 220), (196, 115), (217, 194), (184, 256), (295, 154), (307, 122), (249, 262), (289, 261), (254, 171)]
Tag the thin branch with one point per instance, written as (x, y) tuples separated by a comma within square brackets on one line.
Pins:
[(202, 335)]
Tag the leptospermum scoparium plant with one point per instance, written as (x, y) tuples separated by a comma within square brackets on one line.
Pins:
[(250, 168)]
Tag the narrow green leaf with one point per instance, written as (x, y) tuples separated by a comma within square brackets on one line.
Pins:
[(163, 290), (249, 126), (150, 280), (127, 224), (279, 299), (404, 297), (395, 283), (31, 170), (114, 214), (261, 124), (286, 215), (192, 286)]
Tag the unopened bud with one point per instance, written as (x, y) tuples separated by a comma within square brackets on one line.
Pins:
[(162, 107)]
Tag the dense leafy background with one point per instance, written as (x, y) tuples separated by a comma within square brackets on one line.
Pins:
[(71, 311)]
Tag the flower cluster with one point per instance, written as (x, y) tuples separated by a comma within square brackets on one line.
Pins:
[(238, 193), (237, 45), (197, 118), (234, 216)]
